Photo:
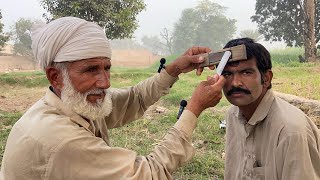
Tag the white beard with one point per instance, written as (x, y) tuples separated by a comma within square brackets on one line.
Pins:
[(78, 101)]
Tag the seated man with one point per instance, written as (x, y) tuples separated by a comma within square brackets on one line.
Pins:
[(267, 138), (65, 134)]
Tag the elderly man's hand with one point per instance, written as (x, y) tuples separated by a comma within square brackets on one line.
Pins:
[(207, 94), (188, 62)]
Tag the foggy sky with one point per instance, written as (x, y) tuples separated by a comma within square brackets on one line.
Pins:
[(159, 14)]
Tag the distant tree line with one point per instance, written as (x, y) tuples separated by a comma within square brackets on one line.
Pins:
[(3, 37), (295, 22), (118, 17), (204, 25)]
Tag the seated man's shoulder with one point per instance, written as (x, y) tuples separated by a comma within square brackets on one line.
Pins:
[(292, 118)]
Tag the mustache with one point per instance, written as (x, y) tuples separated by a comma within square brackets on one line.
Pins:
[(237, 89), (95, 91)]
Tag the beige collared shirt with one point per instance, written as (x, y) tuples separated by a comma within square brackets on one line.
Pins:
[(279, 142), (51, 142)]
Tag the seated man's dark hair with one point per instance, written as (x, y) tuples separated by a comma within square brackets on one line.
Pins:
[(254, 50)]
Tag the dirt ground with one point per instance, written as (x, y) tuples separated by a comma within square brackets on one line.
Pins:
[(120, 58), (19, 99), (14, 99), (133, 58)]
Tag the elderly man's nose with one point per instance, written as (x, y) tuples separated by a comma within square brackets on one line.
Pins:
[(103, 81)]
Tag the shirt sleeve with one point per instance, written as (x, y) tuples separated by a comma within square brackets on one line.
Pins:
[(298, 157), (88, 157), (130, 103)]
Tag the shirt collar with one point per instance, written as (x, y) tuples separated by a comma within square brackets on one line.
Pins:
[(263, 108), (53, 100)]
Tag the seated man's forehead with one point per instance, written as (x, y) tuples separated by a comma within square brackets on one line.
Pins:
[(237, 63), (234, 63)]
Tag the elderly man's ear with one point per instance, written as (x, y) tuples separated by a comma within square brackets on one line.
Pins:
[(55, 77)]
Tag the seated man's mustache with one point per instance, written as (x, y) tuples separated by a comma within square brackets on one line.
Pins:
[(236, 90)]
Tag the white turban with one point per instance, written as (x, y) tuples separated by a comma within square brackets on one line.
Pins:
[(69, 39)]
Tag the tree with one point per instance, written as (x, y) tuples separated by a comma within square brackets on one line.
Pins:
[(3, 38), (309, 31), (153, 44), (165, 34), (119, 17), (21, 36), (184, 31), (296, 22), (254, 34), (204, 25)]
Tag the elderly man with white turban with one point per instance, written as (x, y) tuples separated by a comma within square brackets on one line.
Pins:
[(65, 134)]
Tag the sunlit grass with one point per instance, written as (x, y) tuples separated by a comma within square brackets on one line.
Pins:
[(300, 81), (27, 79)]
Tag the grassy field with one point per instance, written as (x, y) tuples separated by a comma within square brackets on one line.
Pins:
[(290, 76)]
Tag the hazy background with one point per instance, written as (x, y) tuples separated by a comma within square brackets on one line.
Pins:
[(158, 14)]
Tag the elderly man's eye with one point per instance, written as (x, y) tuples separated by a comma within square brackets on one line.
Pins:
[(107, 68), (91, 69)]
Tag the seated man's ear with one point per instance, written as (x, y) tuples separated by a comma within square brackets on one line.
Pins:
[(266, 79), (55, 77)]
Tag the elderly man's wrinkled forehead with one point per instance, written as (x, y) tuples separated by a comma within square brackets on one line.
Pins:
[(89, 62), (95, 58)]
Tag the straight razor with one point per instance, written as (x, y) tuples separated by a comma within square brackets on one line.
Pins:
[(223, 62)]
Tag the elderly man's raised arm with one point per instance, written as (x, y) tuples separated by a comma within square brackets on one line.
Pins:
[(129, 104)]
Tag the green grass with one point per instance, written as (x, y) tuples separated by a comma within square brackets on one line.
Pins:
[(27, 79), (286, 57), (290, 76), (142, 135), (154, 67), (301, 81)]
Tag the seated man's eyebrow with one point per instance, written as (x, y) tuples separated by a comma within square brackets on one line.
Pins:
[(226, 71), (248, 69)]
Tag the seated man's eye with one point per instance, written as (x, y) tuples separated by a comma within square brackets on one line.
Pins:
[(247, 72), (226, 74)]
